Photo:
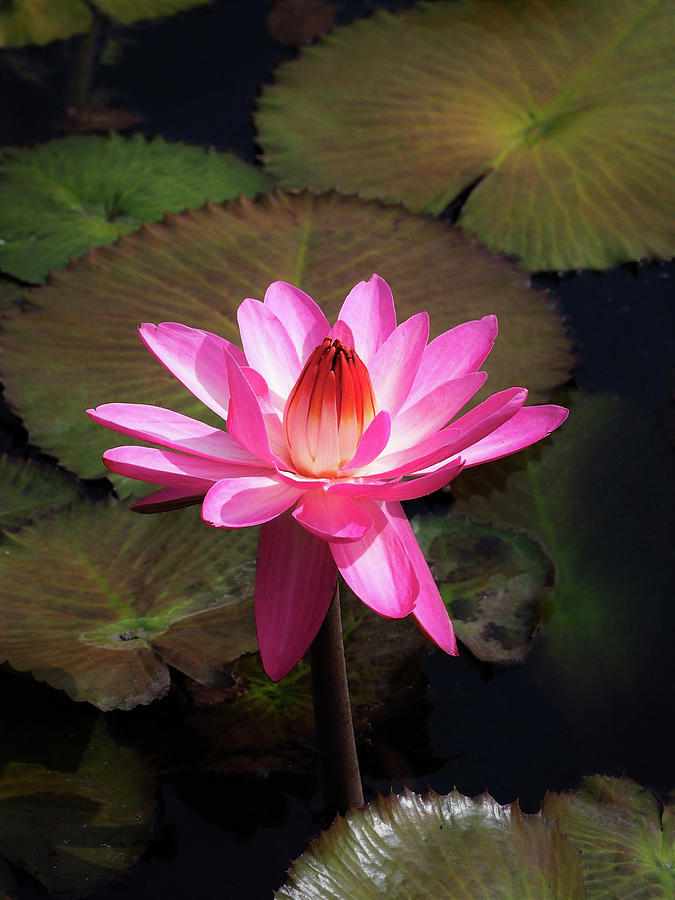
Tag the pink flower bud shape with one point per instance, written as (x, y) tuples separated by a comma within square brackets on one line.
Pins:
[(328, 410)]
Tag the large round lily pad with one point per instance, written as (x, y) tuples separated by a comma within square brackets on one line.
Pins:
[(25, 22), (61, 198), (99, 602), (626, 837), (442, 847), (73, 831), (76, 345), (493, 581), (562, 111)]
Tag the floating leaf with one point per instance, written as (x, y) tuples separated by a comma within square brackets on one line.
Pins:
[(564, 110), (27, 490), (73, 831), (76, 345), (442, 847), (25, 22), (61, 198), (493, 582), (97, 601), (627, 850), (574, 494)]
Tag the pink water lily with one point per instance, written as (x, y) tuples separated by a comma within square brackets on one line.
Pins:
[(328, 430)]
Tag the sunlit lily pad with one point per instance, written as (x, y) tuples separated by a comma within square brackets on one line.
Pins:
[(74, 830), (76, 345), (494, 583), (441, 847), (98, 602), (626, 838), (27, 489), (564, 110), (25, 22), (574, 494), (61, 198)]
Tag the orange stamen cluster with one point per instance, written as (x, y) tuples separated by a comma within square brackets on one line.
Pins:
[(328, 410)]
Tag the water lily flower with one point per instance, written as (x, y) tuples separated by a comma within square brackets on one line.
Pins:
[(328, 429)]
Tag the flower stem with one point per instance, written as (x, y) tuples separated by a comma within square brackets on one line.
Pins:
[(333, 715)]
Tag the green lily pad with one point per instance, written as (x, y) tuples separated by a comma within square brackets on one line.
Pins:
[(61, 198), (98, 602), (577, 495), (626, 838), (442, 847), (76, 345), (561, 111), (73, 831), (494, 583), (28, 490), (24, 22)]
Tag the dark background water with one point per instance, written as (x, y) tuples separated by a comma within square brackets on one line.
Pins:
[(516, 731)]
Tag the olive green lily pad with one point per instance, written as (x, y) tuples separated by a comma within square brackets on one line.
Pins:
[(61, 198), (577, 494), (441, 847), (27, 490), (98, 602), (76, 346), (561, 111), (25, 22), (626, 837), (73, 831), (493, 581)]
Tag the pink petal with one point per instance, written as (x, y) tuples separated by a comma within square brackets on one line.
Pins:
[(303, 482), (343, 333), (487, 417), (453, 354), (377, 568), (170, 469), (243, 501), (432, 412), (304, 321), (373, 441), (245, 420), (429, 610), (167, 499), (294, 585), (196, 358), (369, 312), (393, 369), (268, 347), (400, 490), (530, 424), (171, 429), (333, 517), (434, 450)]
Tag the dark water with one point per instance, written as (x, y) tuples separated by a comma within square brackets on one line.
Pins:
[(516, 731)]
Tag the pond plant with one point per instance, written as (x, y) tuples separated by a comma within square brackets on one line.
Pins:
[(368, 499)]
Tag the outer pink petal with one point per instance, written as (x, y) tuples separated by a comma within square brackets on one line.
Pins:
[(487, 417), (294, 585), (430, 413), (434, 450), (332, 517), (238, 502), (170, 469), (369, 312), (304, 321), (373, 441), (429, 609), (171, 429), (400, 490), (530, 424), (245, 420), (268, 347), (377, 568), (196, 358), (454, 353), (166, 499), (393, 369)]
